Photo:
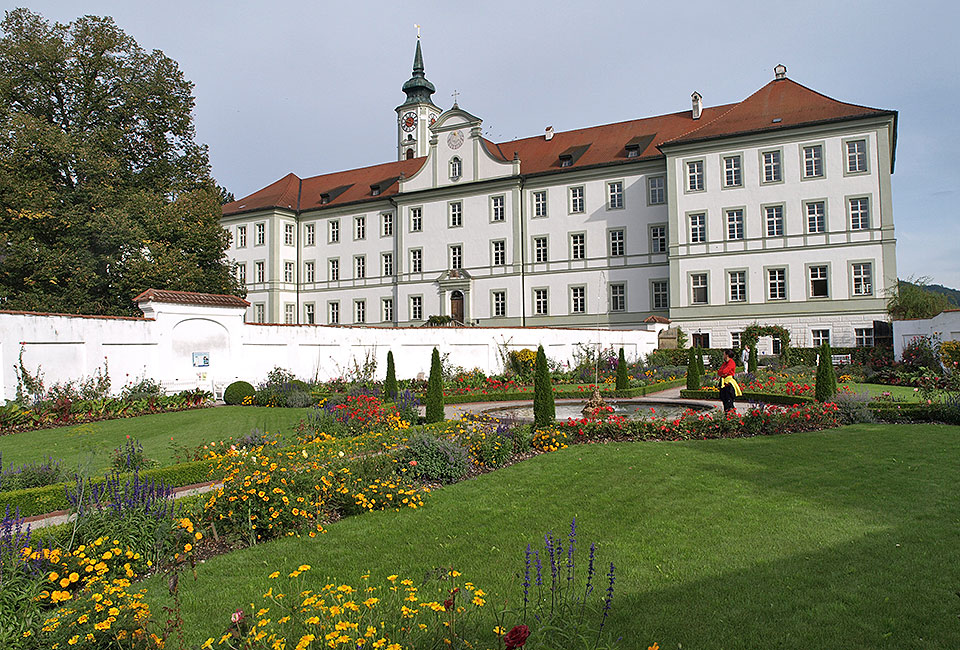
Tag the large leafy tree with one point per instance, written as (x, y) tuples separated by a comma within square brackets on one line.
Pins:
[(104, 191)]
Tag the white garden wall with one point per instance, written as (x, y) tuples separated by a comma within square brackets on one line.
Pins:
[(162, 346), (944, 326)]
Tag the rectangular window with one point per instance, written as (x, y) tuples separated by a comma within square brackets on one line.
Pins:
[(334, 231), (360, 267), (241, 236), (736, 340), (863, 337), (260, 234), (859, 213), (658, 239), (259, 315), (701, 340), (288, 234), (578, 300), (734, 224), (359, 227), (288, 271), (309, 272), (656, 190), (540, 249), (259, 274), (856, 156), (310, 234), (698, 228), (695, 176), (813, 161), (618, 297), (661, 294), (732, 172), (539, 204), (820, 337), (386, 224), (333, 313), (777, 284), (617, 243), (578, 246), (698, 288), (577, 204), (499, 304), (241, 273), (498, 208), (819, 283), (416, 219), (386, 306), (777, 345), (416, 260), (289, 313), (386, 262), (416, 307), (863, 279), (772, 169), (456, 214), (499, 252), (456, 257), (774, 214), (738, 286), (334, 270), (540, 302), (359, 311), (615, 195), (309, 313), (816, 217)]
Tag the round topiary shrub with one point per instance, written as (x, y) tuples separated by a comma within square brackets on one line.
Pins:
[(433, 459), (300, 385), (237, 391)]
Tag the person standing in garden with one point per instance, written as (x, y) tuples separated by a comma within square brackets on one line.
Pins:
[(729, 388), (745, 356)]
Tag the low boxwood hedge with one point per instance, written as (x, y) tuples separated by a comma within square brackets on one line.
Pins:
[(749, 396)]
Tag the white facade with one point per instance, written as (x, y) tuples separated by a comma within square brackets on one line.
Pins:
[(593, 228), (945, 326)]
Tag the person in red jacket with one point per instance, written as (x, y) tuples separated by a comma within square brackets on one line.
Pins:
[(729, 388)]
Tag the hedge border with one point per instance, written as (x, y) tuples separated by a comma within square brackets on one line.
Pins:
[(749, 396), (515, 396)]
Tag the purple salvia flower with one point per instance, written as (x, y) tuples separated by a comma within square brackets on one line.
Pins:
[(536, 555)]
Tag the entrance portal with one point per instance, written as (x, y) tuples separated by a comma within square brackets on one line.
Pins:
[(456, 306)]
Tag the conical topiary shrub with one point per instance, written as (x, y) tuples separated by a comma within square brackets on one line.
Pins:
[(700, 366), (390, 385), (826, 386), (693, 371), (544, 410), (752, 360), (623, 379), (435, 390)]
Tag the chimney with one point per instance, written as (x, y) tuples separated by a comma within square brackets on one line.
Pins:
[(697, 104), (780, 71), (548, 133)]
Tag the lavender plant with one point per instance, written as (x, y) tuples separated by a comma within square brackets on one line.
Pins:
[(129, 457), (30, 475)]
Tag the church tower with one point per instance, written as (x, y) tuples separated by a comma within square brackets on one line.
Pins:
[(416, 114)]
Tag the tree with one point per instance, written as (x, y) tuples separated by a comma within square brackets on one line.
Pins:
[(104, 191), (390, 385), (912, 299), (693, 371), (435, 390), (700, 367), (752, 360), (623, 380), (544, 409), (826, 381)]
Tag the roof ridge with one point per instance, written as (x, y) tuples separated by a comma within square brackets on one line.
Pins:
[(732, 108)]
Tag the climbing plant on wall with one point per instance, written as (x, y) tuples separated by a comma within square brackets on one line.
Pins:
[(753, 332)]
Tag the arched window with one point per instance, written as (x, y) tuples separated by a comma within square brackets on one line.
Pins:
[(456, 168), (409, 154)]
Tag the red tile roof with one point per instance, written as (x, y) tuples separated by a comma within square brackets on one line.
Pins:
[(656, 319), (191, 298), (783, 99)]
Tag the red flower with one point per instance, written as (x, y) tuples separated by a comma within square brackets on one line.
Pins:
[(517, 637), (448, 604)]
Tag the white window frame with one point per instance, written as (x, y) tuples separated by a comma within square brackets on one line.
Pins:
[(821, 270), (618, 296), (863, 337), (695, 175), (260, 234), (656, 294), (656, 190), (310, 313), (540, 204), (359, 228), (732, 171), (333, 269), (386, 224), (309, 234), (771, 166), (333, 312), (578, 199), (861, 279), (359, 310), (617, 242), (819, 216), (859, 217), (289, 269), (498, 303), (541, 249), (456, 256), (498, 208), (819, 336), (697, 223), (737, 285), (615, 195), (578, 249), (860, 159), (289, 313), (333, 231), (776, 285), (498, 252), (416, 260), (386, 310), (699, 280), (259, 272), (241, 236), (812, 164), (736, 224), (386, 264), (259, 312), (310, 271), (578, 299), (772, 218), (541, 301), (359, 267), (242, 272), (455, 214), (416, 307), (456, 168), (416, 219), (289, 231)]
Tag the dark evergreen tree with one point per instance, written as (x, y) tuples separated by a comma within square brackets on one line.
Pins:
[(435, 390), (752, 359), (623, 380), (700, 366), (390, 385), (544, 409), (826, 386), (693, 371)]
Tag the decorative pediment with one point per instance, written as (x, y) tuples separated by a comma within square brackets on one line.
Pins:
[(455, 118)]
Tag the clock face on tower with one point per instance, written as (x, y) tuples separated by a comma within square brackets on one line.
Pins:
[(408, 122), (433, 118)]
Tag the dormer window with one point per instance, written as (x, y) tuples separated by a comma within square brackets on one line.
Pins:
[(566, 160), (633, 151), (324, 199), (456, 168), (374, 190)]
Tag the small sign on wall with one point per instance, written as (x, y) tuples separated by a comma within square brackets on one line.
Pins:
[(201, 359)]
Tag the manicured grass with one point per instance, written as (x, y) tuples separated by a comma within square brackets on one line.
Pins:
[(92, 444), (843, 539), (897, 392)]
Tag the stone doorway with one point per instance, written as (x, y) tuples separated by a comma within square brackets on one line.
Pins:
[(456, 306)]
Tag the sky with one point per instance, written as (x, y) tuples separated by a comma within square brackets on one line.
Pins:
[(311, 87)]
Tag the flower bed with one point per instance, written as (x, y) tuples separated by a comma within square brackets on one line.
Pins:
[(748, 396), (560, 392)]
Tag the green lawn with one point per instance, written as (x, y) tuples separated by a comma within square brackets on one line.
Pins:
[(92, 444), (897, 392), (840, 539)]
